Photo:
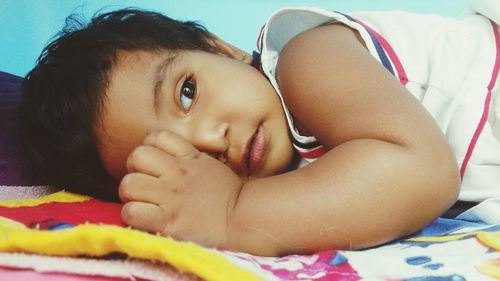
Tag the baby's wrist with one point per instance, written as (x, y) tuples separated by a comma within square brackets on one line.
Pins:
[(242, 236)]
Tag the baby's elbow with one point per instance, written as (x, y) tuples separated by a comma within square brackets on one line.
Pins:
[(435, 185), (451, 183), (453, 177), (444, 181)]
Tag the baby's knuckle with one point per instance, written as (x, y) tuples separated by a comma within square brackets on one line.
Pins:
[(198, 155), (141, 150), (137, 154), (127, 213), (175, 190), (125, 188), (163, 137), (127, 180), (181, 171), (172, 217)]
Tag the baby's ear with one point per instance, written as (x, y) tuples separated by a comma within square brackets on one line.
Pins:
[(226, 49)]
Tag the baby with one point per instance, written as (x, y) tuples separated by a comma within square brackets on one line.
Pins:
[(342, 132)]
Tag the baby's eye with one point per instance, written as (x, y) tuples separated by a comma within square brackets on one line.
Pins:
[(187, 94)]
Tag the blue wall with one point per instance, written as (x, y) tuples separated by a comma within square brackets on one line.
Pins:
[(27, 25)]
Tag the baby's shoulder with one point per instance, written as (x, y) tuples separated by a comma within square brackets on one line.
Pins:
[(317, 53)]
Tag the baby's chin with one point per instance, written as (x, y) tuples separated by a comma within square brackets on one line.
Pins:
[(289, 165)]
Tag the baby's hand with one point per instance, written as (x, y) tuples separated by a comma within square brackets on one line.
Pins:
[(176, 190)]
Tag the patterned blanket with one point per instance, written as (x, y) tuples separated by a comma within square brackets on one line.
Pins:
[(70, 225)]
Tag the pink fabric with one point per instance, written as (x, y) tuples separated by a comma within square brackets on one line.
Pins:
[(13, 274)]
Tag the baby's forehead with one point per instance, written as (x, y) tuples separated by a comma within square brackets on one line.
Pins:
[(137, 64), (125, 57)]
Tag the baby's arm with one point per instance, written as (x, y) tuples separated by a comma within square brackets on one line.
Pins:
[(388, 172)]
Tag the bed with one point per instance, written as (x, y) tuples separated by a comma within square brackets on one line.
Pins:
[(51, 234)]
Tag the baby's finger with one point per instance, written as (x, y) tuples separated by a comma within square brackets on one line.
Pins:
[(144, 216), (171, 143), (141, 187), (149, 160)]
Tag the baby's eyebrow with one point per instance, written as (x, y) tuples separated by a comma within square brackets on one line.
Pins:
[(160, 71)]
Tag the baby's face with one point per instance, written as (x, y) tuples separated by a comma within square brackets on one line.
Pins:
[(220, 105)]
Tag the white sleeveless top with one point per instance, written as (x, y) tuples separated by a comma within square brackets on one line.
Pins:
[(449, 64)]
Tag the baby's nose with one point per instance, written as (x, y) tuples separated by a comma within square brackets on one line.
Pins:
[(213, 140)]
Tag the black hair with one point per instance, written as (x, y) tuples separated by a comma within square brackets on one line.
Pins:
[(64, 94)]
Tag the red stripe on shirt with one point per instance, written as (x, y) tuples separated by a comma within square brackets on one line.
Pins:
[(315, 153), (486, 106)]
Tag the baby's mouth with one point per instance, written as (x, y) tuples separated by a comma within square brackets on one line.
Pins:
[(256, 150)]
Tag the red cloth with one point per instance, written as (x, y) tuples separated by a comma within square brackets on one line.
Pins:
[(72, 213)]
